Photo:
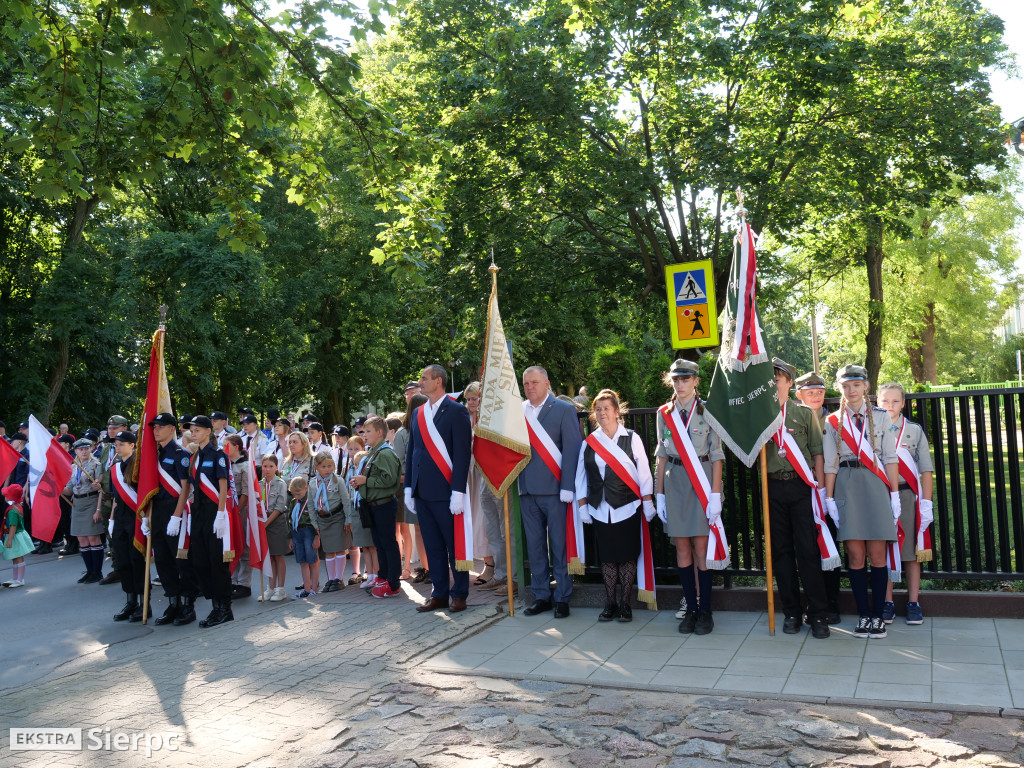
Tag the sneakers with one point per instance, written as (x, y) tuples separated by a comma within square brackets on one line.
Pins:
[(914, 613), (267, 595), (383, 590), (15, 583), (356, 578), (863, 628), (704, 623), (819, 629), (877, 630), (370, 583), (277, 595), (304, 593), (689, 623), (681, 613), (888, 612)]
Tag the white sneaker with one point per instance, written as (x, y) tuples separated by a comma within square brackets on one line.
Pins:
[(681, 613), (16, 583), (269, 593), (370, 583), (277, 595)]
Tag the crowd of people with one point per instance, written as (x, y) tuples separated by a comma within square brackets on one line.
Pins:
[(860, 477)]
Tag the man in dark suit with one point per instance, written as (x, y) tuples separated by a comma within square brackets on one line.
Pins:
[(436, 472), (543, 494)]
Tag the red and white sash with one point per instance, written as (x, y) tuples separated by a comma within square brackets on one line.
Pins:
[(912, 477), (184, 540), (826, 547), (870, 461), (438, 451), (718, 546), (169, 484), (544, 447), (626, 470), (128, 495), (234, 531)]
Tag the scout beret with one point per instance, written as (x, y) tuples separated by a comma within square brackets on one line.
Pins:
[(781, 365), (810, 380), (684, 368)]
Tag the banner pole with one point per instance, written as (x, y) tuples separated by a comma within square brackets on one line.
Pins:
[(145, 585), (508, 557), (767, 542)]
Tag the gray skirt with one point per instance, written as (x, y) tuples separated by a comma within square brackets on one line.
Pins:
[(686, 516), (863, 503), (361, 537), (278, 536), (82, 510), (908, 552), (332, 532), (403, 515)]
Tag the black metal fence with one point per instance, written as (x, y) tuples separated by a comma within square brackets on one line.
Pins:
[(975, 439)]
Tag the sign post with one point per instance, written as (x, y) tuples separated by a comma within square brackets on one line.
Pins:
[(692, 312)]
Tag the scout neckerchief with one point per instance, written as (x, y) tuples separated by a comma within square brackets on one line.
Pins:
[(323, 487), (870, 461), (619, 463), (544, 446), (718, 548), (439, 455), (912, 477), (788, 449)]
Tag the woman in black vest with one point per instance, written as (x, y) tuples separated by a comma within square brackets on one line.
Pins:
[(611, 505)]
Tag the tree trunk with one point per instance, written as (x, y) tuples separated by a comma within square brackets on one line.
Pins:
[(914, 352), (873, 257), (338, 415), (928, 344)]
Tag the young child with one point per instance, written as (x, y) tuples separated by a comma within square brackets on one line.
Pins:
[(16, 541), (362, 538), (353, 448), (915, 467), (331, 509), (279, 541), (305, 536)]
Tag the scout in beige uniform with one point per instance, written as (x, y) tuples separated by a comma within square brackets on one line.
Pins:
[(915, 465), (857, 440), (83, 489), (678, 505)]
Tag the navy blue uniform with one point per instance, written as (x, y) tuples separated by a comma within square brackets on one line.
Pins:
[(131, 564), (176, 575), (207, 551)]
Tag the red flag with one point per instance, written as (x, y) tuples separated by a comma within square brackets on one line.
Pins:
[(259, 550), (49, 471), (9, 459)]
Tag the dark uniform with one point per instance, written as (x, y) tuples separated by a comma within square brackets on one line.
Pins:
[(131, 564), (176, 575), (793, 528), (206, 550)]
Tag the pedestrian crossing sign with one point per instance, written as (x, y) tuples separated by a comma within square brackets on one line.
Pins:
[(691, 304)]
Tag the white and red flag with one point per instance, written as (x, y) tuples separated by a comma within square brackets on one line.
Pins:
[(146, 470), (9, 459), (259, 550), (49, 468)]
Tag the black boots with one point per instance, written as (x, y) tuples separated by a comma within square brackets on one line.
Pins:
[(173, 609), (186, 611), (130, 607), (221, 612)]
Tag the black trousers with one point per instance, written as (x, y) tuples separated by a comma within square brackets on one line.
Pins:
[(795, 554), (176, 575), (206, 552), (388, 555), (832, 577), (131, 564)]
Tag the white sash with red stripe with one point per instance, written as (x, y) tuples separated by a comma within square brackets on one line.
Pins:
[(912, 477), (128, 494), (870, 461), (208, 489), (438, 451), (544, 447), (718, 546), (184, 540), (826, 547), (169, 484), (619, 463)]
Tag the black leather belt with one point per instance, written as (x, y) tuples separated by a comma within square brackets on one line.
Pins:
[(86, 495), (382, 502), (322, 516), (679, 462), (904, 487), (784, 476), (850, 463)]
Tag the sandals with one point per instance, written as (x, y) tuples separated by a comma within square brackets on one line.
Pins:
[(406, 575), (485, 575)]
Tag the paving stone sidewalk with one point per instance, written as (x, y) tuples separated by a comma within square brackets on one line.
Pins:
[(340, 684)]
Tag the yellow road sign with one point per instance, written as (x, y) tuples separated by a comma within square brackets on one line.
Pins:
[(691, 304)]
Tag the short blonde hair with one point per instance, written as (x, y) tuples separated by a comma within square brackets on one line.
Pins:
[(894, 385), (297, 484)]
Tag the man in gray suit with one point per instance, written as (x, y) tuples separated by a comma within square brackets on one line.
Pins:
[(546, 487)]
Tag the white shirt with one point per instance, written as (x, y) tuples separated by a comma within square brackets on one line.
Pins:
[(604, 512), (534, 410), (432, 407)]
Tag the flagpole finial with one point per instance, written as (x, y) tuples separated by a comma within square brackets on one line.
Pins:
[(163, 317), (493, 269), (741, 209)]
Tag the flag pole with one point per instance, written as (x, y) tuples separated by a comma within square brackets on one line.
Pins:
[(508, 557), (767, 542), (145, 586)]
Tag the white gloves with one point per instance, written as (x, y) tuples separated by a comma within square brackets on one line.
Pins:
[(649, 510), (585, 514), (458, 505), (927, 512), (409, 503), (220, 524), (833, 510), (897, 506), (188, 525), (110, 526), (714, 509), (662, 511), (173, 526), (146, 530), (566, 497)]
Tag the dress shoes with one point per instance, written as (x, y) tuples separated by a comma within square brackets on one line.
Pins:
[(561, 610), (92, 578), (792, 625), (130, 606), (689, 623), (433, 604), (186, 613), (221, 612), (173, 606), (43, 549), (539, 606), (238, 591), (85, 577), (136, 614), (625, 613), (819, 629), (611, 610), (111, 578), (457, 604)]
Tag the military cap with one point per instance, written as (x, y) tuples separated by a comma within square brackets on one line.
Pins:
[(185, 420), (246, 410), (164, 420), (317, 426), (852, 372), (66, 439), (341, 430), (781, 365), (125, 436), (19, 436), (82, 442), (92, 434), (120, 420), (684, 368), (360, 421), (202, 421), (810, 380), (309, 417)]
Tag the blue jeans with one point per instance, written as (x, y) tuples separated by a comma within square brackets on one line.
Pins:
[(302, 538)]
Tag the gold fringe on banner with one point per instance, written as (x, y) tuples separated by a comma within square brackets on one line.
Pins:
[(183, 554), (229, 556), (924, 556), (577, 567), (648, 598), (463, 565)]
